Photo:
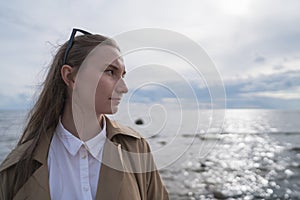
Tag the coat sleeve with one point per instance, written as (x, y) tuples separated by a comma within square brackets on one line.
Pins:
[(156, 190)]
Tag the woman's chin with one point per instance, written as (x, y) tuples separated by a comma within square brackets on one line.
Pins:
[(112, 110)]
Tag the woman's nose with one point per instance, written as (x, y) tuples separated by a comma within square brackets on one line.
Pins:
[(121, 86)]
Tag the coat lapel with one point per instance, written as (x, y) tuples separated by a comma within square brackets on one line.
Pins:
[(41, 175), (37, 185), (112, 168), (111, 173)]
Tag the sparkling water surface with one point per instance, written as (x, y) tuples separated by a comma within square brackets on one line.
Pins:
[(255, 154)]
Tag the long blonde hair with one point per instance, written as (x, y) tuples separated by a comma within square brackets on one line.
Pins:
[(44, 116)]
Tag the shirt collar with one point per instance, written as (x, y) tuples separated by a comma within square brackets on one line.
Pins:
[(73, 144), (95, 144)]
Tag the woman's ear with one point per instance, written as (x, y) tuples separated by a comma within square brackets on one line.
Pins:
[(67, 75)]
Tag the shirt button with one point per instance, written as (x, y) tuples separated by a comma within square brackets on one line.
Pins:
[(83, 156), (85, 188)]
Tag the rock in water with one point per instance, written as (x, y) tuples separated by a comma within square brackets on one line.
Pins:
[(219, 195), (139, 122)]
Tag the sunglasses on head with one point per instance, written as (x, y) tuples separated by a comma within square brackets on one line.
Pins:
[(71, 41)]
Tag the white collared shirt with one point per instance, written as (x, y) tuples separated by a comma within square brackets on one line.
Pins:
[(74, 165)]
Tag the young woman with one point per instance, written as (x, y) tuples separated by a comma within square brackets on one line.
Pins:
[(69, 149)]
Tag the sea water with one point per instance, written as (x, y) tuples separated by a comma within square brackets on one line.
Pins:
[(252, 154)]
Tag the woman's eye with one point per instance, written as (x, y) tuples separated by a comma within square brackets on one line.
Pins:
[(110, 72)]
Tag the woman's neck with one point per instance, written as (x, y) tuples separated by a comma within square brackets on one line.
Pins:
[(82, 125)]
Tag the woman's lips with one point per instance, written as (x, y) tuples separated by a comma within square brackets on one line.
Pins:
[(116, 100)]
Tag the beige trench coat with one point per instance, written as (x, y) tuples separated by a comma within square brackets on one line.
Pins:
[(122, 175)]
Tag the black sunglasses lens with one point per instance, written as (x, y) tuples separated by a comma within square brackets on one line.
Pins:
[(71, 41)]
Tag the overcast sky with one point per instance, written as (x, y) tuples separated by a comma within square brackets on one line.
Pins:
[(255, 44)]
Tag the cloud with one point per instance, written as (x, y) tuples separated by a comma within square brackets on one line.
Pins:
[(259, 59), (281, 94), (273, 34), (255, 44), (274, 82), (280, 90)]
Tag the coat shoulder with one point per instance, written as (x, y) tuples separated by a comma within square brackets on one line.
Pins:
[(114, 128), (15, 155)]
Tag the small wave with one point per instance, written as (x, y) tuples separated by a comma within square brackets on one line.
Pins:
[(203, 136), (285, 133)]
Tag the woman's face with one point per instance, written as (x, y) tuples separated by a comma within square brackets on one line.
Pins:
[(111, 87), (100, 78)]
